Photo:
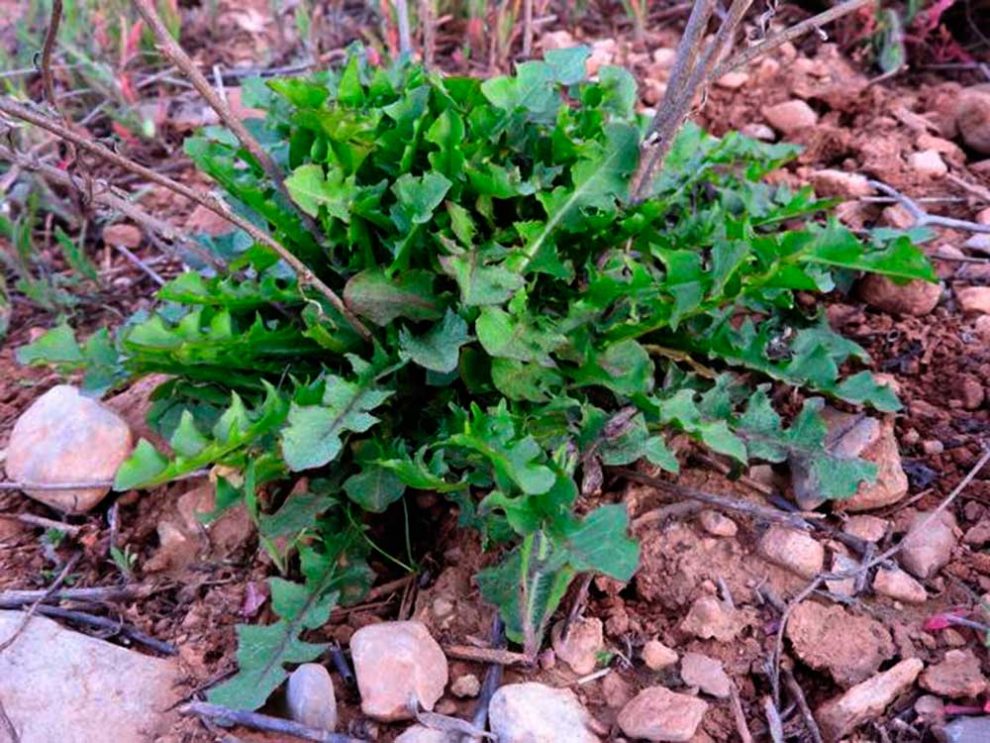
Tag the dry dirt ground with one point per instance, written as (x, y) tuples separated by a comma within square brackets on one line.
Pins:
[(696, 590)]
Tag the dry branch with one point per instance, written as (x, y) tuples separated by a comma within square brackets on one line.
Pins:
[(303, 272)]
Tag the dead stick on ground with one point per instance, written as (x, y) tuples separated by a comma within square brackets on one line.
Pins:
[(305, 275), (71, 563), (789, 34), (180, 59), (258, 721), (103, 193), (15, 599), (739, 715), (41, 521), (798, 693), (728, 504), (488, 655), (924, 219), (111, 625), (47, 49)]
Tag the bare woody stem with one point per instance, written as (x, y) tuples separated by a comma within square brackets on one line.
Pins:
[(51, 37), (180, 59), (303, 272), (789, 34), (691, 76)]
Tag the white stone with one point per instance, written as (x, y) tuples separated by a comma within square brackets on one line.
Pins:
[(310, 698), (536, 713)]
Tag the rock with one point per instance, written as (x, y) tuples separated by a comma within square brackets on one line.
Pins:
[(664, 56), (536, 713), (958, 676), (557, 40), (658, 714), (66, 437), (59, 685), (658, 656), (866, 527), (465, 686), (707, 674), (857, 436), (580, 648), (423, 734), (790, 116), (840, 716), (616, 690), (927, 548), (978, 535), (843, 564), (973, 120), (930, 709), (309, 697), (974, 299), (928, 164), (732, 80), (122, 234), (968, 730), (915, 298), (792, 549), (851, 648), (709, 618), (898, 585), (841, 184), (602, 54), (981, 327), (761, 132), (717, 524), (396, 661), (971, 392)]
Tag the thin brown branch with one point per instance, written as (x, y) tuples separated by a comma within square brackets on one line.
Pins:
[(303, 272), (174, 51), (15, 599), (258, 721), (789, 34), (527, 31), (487, 655), (26, 619), (798, 694), (47, 50), (42, 522)]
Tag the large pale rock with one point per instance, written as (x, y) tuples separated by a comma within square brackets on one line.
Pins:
[(536, 713), (840, 716), (851, 648), (974, 300), (973, 119), (658, 714), (928, 544), (958, 676), (916, 298), (64, 437), (310, 698), (792, 549), (61, 686), (580, 648), (790, 116), (395, 662)]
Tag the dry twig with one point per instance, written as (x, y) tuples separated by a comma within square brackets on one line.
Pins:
[(258, 721), (924, 219), (488, 655), (25, 620), (798, 693)]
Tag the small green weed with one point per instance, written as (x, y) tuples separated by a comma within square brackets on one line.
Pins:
[(531, 326)]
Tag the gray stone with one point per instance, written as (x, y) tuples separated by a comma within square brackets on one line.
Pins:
[(310, 698), (396, 662), (60, 685), (64, 437), (536, 713), (968, 730)]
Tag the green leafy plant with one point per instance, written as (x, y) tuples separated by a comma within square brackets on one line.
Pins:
[(531, 325)]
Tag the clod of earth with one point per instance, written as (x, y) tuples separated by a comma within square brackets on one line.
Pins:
[(658, 714), (792, 549), (928, 544), (580, 648), (310, 698), (56, 683), (395, 662), (866, 701), (973, 119), (830, 638), (65, 437), (707, 674), (915, 298), (710, 618), (958, 676), (537, 713)]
